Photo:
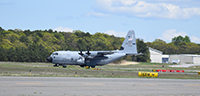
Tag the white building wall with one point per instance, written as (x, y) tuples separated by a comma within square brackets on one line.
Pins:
[(155, 56), (185, 58), (196, 60), (173, 57)]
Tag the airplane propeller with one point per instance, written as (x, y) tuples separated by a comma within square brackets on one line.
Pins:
[(81, 53), (88, 51), (85, 56)]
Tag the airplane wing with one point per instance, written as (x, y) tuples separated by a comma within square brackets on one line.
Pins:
[(102, 53), (95, 54)]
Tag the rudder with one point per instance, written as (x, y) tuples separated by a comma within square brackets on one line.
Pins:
[(129, 45)]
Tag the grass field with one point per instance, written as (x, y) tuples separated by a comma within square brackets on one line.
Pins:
[(108, 71)]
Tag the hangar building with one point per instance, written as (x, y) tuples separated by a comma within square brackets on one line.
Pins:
[(185, 58), (157, 56)]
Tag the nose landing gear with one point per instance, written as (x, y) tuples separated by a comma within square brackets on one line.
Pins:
[(57, 65)]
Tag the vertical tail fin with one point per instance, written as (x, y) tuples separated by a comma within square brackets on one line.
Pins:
[(129, 45)]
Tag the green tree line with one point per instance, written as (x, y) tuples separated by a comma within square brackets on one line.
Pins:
[(178, 45), (34, 46)]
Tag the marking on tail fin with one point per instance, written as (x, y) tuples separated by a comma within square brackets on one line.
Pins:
[(130, 39)]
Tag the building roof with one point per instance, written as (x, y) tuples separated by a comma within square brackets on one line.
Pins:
[(155, 50), (194, 55), (165, 56)]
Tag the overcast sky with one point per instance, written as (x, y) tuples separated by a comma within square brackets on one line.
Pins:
[(150, 19)]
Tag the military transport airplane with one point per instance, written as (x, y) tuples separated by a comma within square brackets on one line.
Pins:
[(94, 58)]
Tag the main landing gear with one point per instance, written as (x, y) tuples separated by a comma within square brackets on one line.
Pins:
[(57, 65), (64, 66), (92, 67), (88, 67)]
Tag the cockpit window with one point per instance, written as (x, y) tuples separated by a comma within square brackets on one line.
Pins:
[(55, 53)]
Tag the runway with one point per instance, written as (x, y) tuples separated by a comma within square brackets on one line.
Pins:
[(76, 86)]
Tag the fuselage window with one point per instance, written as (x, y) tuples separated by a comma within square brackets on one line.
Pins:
[(55, 53)]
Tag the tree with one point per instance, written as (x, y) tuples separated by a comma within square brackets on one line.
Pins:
[(57, 35), (27, 32), (2, 35), (3, 54), (23, 54), (36, 39), (79, 33), (50, 31), (12, 56), (187, 39), (179, 39), (1, 29), (82, 45), (101, 42), (39, 34), (171, 49), (159, 45), (23, 39), (142, 48)]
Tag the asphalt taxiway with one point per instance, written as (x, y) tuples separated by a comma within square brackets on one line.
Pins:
[(75, 86)]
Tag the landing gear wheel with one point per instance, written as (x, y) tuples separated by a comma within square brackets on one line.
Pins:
[(56, 65), (64, 66), (82, 65), (93, 66)]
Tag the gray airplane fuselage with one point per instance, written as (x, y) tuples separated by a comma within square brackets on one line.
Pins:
[(94, 58), (73, 58)]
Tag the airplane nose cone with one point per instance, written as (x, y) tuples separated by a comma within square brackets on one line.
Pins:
[(50, 59)]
